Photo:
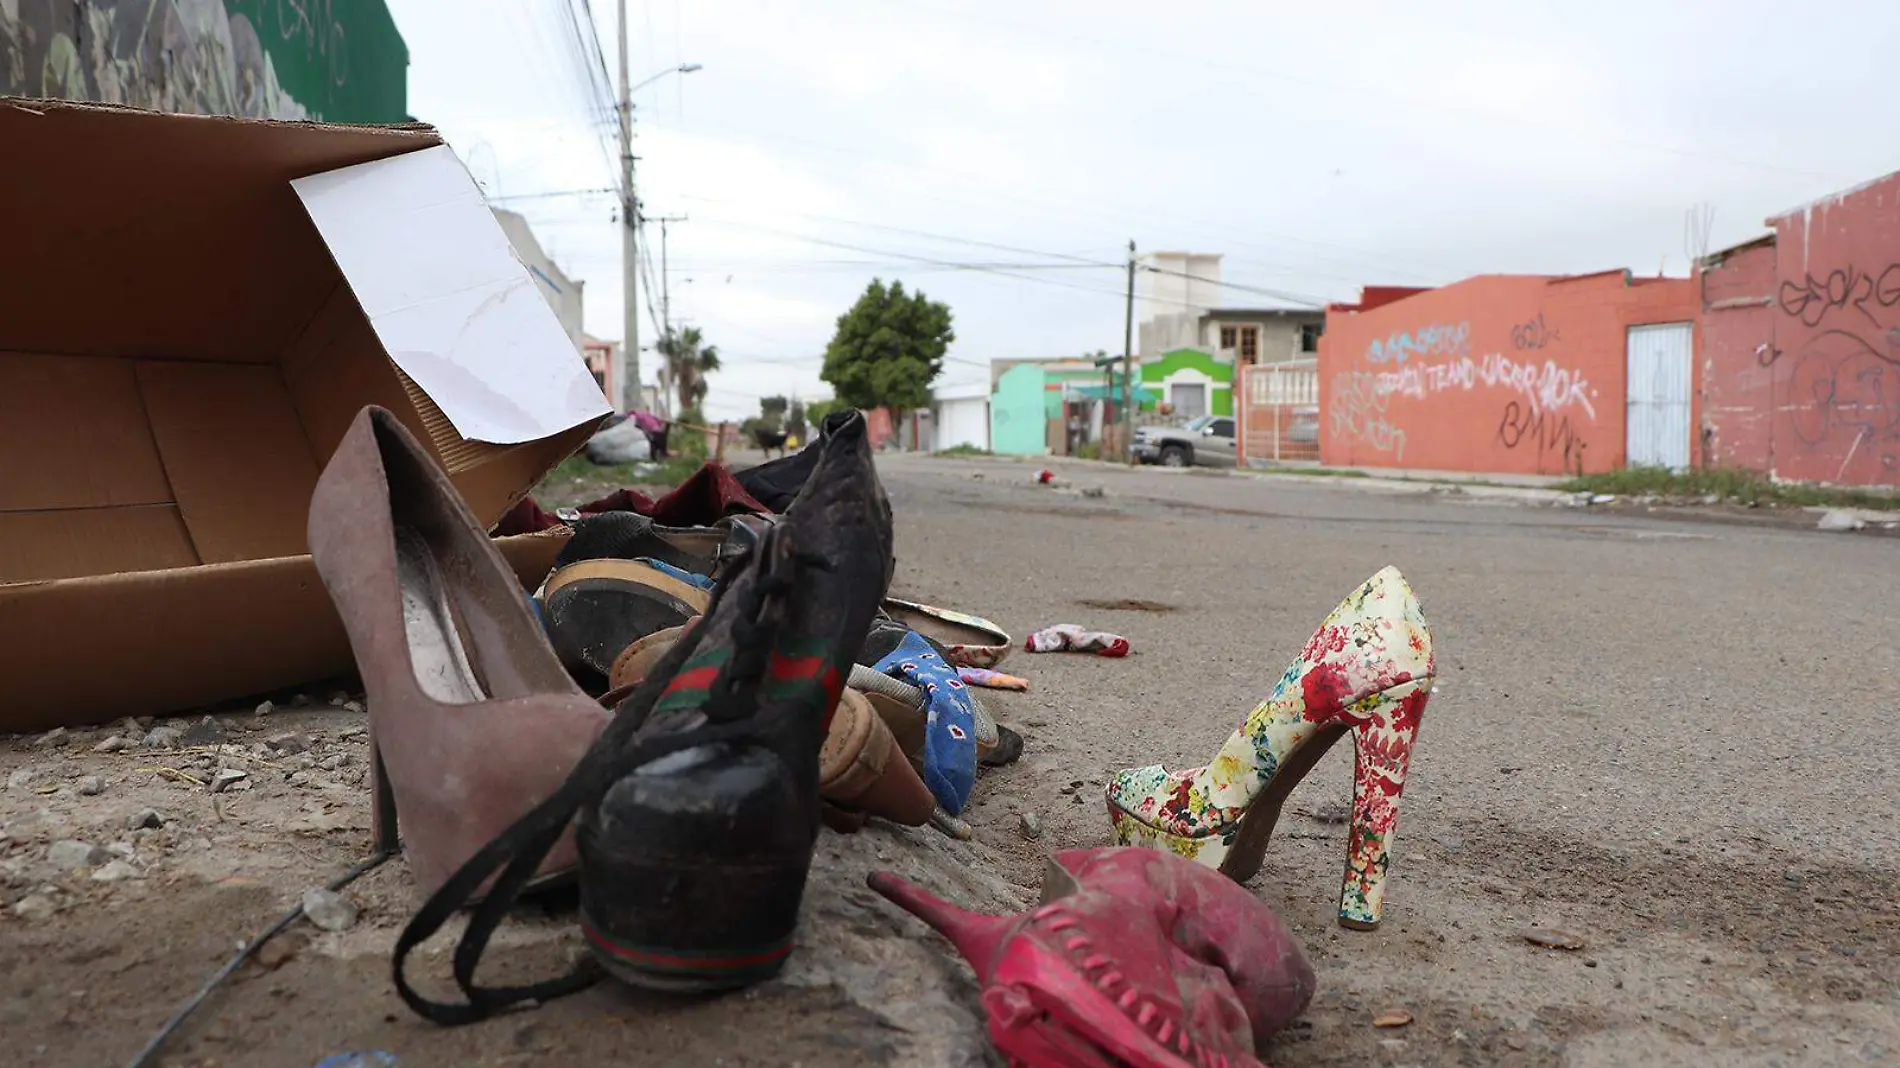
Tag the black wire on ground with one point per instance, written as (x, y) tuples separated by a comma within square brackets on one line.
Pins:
[(146, 1055)]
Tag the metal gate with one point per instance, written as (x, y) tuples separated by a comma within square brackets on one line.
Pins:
[(1279, 412), (1658, 425)]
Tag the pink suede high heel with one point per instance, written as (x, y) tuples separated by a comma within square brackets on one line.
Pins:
[(473, 721)]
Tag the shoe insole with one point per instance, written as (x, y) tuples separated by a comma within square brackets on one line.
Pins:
[(435, 644)]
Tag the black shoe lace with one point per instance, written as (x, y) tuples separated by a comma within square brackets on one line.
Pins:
[(517, 852)]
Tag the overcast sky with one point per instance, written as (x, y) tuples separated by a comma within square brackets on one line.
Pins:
[(1406, 142)]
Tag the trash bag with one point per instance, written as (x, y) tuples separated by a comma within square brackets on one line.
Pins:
[(623, 443)]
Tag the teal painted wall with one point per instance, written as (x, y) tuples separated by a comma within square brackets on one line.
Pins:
[(1018, 423)]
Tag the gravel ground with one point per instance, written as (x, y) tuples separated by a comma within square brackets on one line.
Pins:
[(1670, 739)]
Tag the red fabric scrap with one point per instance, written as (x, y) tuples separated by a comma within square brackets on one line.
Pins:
[(708, 496)]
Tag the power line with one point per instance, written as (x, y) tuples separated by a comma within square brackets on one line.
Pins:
[(551, 194), (1118, 294), (1261, 72)]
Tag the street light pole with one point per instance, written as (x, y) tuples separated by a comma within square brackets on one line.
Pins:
[(627, 375)]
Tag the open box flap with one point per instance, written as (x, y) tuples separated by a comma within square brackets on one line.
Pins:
[(448, 299)]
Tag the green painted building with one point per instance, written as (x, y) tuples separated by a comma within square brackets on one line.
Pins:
[(335, 60), (1192, 381)]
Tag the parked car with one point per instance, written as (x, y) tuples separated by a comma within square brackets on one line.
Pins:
[(1305, 428), (1206, 442)]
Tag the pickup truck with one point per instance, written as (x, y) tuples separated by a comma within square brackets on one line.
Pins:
[(1207, 441)]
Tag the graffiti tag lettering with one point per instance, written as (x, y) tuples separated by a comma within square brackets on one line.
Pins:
[(1542, 431), (1844, 391), (1358, 410), (1535, 334), (316, 22), (1436, 340), (1844, 287), (1547, 386)]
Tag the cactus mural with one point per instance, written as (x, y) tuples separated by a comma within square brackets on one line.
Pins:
[(338, 60)]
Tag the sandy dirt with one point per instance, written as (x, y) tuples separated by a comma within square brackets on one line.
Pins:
[(1672, 740)]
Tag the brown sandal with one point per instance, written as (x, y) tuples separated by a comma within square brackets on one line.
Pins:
[(596, 608), (861, 770)]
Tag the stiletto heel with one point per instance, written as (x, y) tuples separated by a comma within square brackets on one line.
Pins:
[(472, 720), (1368, 670)]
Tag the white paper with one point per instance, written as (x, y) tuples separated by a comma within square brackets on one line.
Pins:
[(448, 299)]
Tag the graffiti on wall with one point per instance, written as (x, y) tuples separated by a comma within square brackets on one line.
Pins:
[(279, 59), (1811, 299), (1358, 412), (1842, 392), (1544, 432), (1545, 386), (1439, 339), (1535, 334), (1547, 407), (1837, 371)]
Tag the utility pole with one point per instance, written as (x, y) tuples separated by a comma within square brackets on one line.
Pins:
[(628, 376), (666, 300), (1128, 363), (664, 372)]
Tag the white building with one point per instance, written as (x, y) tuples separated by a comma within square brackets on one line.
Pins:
[(1173, 290), (563, 293), (960, 415)]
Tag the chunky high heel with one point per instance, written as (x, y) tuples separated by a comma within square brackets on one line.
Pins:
[(693, 864), (1368, 671), (472, 720)]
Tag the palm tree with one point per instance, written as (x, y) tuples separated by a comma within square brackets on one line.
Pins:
[(687, 364)]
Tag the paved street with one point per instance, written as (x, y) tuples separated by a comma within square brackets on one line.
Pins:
[(1672, 740)]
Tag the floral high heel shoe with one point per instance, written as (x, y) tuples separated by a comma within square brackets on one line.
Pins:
[(1367, 670)]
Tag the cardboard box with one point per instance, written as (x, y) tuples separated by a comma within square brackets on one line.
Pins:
[(194, 310)]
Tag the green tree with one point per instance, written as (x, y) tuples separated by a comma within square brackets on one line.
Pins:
[(795, 421), (816, 411), (772, 411), (888, 349), (688, 362)]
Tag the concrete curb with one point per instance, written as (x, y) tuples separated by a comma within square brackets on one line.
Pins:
[(1477, 491)]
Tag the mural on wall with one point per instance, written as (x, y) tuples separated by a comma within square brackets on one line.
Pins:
[(339, 60), (1836, 361), (1542, 401)]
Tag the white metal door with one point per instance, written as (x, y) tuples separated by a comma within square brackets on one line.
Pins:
[(1189, 399), (1658, 425)]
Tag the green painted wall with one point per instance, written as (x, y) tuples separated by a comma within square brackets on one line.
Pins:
[(1018, 412), (337, 60), (1156, 375), (344, 60)]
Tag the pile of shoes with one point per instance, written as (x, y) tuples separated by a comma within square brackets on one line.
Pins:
[(677, 709), (668, 719)]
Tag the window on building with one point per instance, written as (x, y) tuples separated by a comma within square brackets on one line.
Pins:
[(1250, 344), (1227, 340), (1309, 336)]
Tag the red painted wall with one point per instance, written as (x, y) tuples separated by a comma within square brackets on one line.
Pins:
[(1517, 374), (1802, 344), (1836, 346), (1737, 334)]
